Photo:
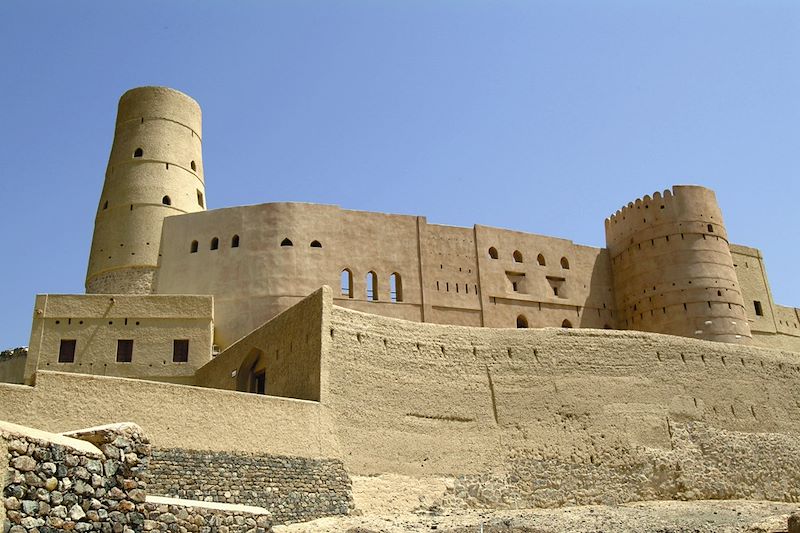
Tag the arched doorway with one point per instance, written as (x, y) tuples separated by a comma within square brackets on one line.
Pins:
[(252, 373)]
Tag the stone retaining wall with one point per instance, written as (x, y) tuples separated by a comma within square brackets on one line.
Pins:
[(95, 480), (164, 517), (293, 489), (67, 484)]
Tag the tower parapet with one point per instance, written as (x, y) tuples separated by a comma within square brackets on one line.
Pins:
[(672, 267), (155, 170)]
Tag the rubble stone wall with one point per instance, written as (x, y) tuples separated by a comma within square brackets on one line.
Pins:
[(93, 482), (293, 489)]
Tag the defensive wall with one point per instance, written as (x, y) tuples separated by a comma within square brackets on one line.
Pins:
[(478, 276), (500, 413), (12, 365)]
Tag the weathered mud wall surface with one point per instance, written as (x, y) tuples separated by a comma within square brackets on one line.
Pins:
[(553, 416)]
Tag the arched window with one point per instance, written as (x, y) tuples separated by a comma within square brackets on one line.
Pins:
[(347, 283), (316, 244), (396, 287), (493, 252), (564, 263), (138, 152), (372, 286), (286, 242), (193, 165), (566, 324), (166, 201), (540, 260), (517, 256), (193, 247), (522, 322), (214, 243), (235, 241)]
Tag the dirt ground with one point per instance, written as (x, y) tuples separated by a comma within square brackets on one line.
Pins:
[(641, 517)]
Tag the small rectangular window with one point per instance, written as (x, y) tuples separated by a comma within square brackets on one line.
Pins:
[(66, 352), (759, 310), (124, 350), (180, 350)]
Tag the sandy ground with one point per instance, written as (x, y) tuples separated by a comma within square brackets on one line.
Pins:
[(640, 517)]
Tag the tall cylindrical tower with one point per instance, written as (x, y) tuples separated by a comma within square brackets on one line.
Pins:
[(155, 170), (672, 267)]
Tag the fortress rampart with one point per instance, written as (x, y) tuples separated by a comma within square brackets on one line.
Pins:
[(155, 170), (610, 413), (672, 267)]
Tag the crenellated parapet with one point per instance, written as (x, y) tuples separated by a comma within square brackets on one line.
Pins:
[(672, 267)]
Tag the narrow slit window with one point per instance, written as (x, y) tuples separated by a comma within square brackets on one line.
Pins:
[(235, 241), (180, 351), (372, 286), (396, 287), (105, 205), (347, 283), (193, 165), (758, 308), (214, 243), (200, 198), (66, 351), (193, 247), (124, 350)]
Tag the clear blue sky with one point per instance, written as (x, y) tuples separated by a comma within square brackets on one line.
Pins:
[(544, 117)]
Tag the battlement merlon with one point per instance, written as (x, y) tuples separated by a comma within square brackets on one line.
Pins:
[(685, 208)]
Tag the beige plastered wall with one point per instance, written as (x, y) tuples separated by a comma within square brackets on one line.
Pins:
[(173, 416), (446, 273), (778, 326), (97, 322), (424, 399), (12, 370), (287, 349)]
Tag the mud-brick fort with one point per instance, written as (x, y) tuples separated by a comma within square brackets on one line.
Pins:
[(321, 344)]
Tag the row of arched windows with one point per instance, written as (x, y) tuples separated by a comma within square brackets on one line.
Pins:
[(371, 285), (517, 255), (288, 242), (138, 153), (214, 245), (522, 322)]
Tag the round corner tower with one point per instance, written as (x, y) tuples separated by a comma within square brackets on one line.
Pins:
[(155, 170), (672, 267)]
